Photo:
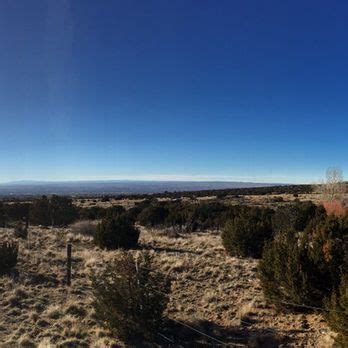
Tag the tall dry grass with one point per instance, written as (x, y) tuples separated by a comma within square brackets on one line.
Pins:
[(336, 207)]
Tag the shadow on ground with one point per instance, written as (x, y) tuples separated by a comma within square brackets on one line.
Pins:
[(168, 249), (178, 335)]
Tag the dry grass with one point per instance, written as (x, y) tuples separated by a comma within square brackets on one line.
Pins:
[(97, 202), (215, 293), (84, 227), (336, 208)]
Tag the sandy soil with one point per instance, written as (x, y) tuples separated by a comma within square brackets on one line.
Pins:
[(211, 292)]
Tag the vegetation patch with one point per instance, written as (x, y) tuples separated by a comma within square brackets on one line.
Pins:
[(130, 297), (304, 268), (115, 233), (245, 235), (8, 256)]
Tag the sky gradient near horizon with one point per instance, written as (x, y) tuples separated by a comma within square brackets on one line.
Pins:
[(191, 90)]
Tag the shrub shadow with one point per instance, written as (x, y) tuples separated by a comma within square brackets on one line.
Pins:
[(178, 335), (168, 249)]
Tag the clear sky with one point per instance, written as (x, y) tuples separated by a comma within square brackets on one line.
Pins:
[(230, 90)]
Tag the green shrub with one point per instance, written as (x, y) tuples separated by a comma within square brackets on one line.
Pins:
[(295, 216), (304, 268), (177, 214), (92, 213), (153, 215), (62, 211), (117, 232), (281, 271), (2, 215), (212, 215), (245, 236), (114, 211), (138, 208), (325, 249), (166, 214), (56, 211), (337, 315), (40, 212), (17, 211), (194, 217), (8, 256), (130, 298)]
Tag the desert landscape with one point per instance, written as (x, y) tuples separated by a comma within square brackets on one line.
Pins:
[(173, 174), (215, 299)]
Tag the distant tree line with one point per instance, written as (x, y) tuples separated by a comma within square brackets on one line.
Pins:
[(265, 190), (219, 193)]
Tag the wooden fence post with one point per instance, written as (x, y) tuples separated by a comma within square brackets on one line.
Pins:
[(68, 265), (138, 282)]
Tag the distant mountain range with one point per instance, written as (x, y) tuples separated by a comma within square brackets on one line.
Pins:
[(31, 188)]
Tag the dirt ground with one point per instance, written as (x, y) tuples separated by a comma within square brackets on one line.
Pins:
[(217, 295)]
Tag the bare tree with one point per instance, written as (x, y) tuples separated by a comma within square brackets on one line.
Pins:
[(334, 186)]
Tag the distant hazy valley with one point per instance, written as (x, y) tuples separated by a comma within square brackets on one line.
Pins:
[(115, 187)]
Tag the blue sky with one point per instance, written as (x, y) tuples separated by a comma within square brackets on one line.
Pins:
[(230, 90)]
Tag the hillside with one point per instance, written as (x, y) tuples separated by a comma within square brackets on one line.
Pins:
[(211, 292)]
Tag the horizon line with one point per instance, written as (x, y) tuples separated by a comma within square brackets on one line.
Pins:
[(262, 179), (165, 178)]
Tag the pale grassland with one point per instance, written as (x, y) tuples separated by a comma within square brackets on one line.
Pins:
[(97, 202)]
